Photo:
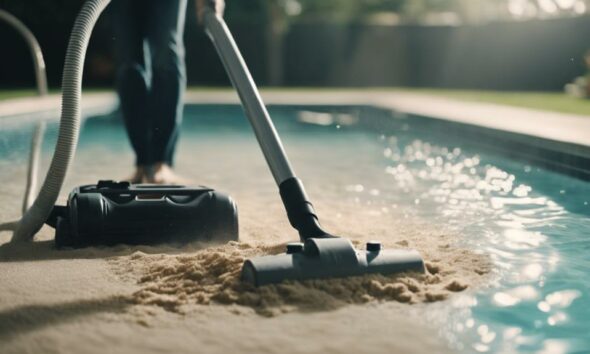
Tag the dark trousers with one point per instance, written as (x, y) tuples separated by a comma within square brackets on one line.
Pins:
[(151, 75)]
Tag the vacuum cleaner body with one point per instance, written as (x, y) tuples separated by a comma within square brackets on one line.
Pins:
[(110, 213)]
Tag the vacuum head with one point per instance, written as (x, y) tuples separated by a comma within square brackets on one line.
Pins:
[(321, 255), (320, 258), (110, 213)]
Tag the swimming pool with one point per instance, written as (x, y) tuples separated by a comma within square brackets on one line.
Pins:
[(532, 222)]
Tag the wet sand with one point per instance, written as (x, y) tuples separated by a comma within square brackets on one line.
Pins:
[(155, 299)]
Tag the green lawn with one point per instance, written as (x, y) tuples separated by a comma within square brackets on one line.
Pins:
[(18, 93), (550, 101), (8, 94)]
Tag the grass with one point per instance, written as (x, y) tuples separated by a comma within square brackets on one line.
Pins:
[(19, 93), (547, 101), (8, 94)]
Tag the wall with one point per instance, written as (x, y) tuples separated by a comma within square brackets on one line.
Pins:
[(537, 55)]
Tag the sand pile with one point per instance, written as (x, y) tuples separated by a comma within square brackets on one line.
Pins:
[(211, 276)]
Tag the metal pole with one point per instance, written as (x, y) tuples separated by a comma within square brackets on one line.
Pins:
[(266, 134), (34, 47), (41, 79)]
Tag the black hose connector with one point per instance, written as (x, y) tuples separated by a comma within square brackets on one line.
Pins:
[(300, 210)]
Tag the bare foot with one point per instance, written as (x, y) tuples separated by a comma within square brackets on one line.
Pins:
[(161, 173), (139, 176)]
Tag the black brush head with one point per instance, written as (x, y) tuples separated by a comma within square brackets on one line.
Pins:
[(322, 258)]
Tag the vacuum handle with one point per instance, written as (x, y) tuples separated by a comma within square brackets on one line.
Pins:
[(234, 64), (299, 210)]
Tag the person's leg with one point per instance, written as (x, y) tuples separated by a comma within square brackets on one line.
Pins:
[(164, 29), (132, 75)]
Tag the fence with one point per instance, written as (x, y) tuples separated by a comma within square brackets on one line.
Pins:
[(534, 55)]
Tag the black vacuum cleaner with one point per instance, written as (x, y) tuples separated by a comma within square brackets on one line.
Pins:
[(112, 212), (319, 254)]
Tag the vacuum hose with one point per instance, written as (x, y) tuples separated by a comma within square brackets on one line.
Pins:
[(69, 127)]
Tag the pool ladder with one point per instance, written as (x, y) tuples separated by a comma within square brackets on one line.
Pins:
[(41, 79)]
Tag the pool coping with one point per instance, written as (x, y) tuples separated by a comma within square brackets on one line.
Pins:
[(554, 126), (558, 140), (49, 107)]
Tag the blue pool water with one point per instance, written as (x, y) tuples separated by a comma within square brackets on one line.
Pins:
[(533, 223)]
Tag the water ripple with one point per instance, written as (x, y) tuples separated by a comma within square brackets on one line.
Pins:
[(534, 241)]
